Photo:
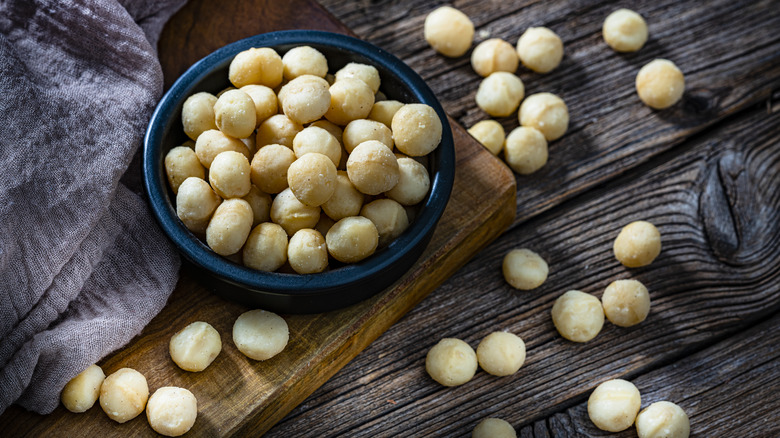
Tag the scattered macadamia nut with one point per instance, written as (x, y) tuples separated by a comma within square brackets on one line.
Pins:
[(350, 99), (384, 111), (547, 113), (413, 182), (490, 134), (229, 227), (197, 114), (624, 30), (449, 31), (304, 60), (613, 405), (346, 200), (229, 175), (626, 302), (494, 55), (500, 94), (235, 114), (292, 214), (525, 150), (663, 420), (312, 178), (260, 66), (366, 73), (172, 411), (578, 316), (388, 216), (82, 391), (494, 428), (181, 163), (278, 129), (316, 139), (194, 347), (361, 130), (660, 84), (373, 168), (637, 244), (213, 142), (195, 204), (260, 203), (540, 49), (501, 353), (524, 269), (266, 247), (264, 98), (260, 335), (123, 395), (269, 167), (306, 98), (451, 362), (416, 129), (307, 252), (352, 239)]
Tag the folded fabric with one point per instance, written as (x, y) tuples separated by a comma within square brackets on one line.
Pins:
[(83, 266)]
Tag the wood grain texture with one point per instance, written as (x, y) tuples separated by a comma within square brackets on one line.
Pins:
[(709, 282), (727, 49), (238, 396)]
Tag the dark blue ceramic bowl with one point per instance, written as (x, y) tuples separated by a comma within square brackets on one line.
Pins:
[(281, 292)]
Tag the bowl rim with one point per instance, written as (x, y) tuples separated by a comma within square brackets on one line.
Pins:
[(198, 253)]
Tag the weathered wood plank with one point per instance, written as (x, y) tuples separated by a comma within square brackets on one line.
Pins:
[(729, 52), (717, 205)]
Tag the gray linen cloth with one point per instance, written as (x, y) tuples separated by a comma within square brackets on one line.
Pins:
[(83, 265)]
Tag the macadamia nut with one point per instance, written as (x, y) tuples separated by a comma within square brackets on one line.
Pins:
[(305, 98), (388, 216), (540, 49), (384, 111), (307, 252), (181, 163), (269, 167), (451, 362), (361, 130), (663, 420), (613, 405), (312, 178), (264, 99), (373, 168), (260, 203), (266, 247), (626, 302), (350, 99), (316, 139), (578, 316), (260, 335), (637, 244), (235, 114), (260, 66), (82, 391), (229, 227), (331, 127), (416, 129), (624, 30), (547, 113), (304, 60), (524, 269), (366, 73), (197, 114), (494, 55), (490, 134), (413, 182), (449, 31), (660, 84), (172, 411), (525, 150), (501, 353), (292, 214), (278, 129), (123, 395), (493, 428), (352, 239), (213, 142), (229, 175), (346, 200), (500, 94), (195, 204), (194, 347)]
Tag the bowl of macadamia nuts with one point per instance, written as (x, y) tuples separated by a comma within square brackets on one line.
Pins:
[(299, 171)]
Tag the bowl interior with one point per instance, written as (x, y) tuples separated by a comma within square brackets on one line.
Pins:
[(210, 74)]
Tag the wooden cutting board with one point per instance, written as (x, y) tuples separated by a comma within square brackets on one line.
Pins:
[(239, 396)]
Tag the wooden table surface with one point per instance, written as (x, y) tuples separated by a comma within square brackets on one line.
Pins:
[(706, 172)]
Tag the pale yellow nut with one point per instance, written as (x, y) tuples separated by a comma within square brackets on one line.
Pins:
[(494, 55), (123, 395), (451, 362), (613, 405), (540, 49), (82, 391), (525, 150), (195, 347), (260, 335), (490, 134), (501, 353), (500, 94), (578, 316), (524, 269), (624, 30), (172, 411), (660, 84), (546, 113), (637, 244), (494, 428), (663, 420), (626, 302), (449, 31)]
